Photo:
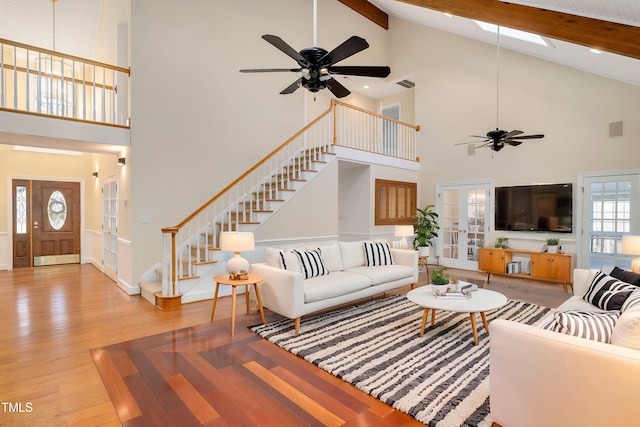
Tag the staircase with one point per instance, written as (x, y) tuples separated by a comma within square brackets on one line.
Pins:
[(191, 254)]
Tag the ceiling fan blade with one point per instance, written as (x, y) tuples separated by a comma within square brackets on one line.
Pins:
[(337, 89), (478, 136), (537, 136), (351, 46), (472, 142), (513, 133), (368, 71), (292, 87), (288, 50), (270, 70), (513, 142)]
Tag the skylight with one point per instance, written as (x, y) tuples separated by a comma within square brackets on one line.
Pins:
[(510, 32)]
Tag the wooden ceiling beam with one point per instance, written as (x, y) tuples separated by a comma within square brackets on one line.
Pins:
[(603, 35), (369, 11)]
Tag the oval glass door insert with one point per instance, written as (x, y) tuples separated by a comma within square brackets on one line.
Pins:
[(57, 210)]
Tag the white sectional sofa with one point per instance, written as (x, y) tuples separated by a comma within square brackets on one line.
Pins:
[(348, 278), (540, 377)]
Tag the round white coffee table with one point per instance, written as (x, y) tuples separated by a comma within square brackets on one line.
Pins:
[(482, 300)]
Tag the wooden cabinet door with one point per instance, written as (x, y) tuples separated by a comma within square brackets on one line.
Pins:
[(491, 260), (550, 266)]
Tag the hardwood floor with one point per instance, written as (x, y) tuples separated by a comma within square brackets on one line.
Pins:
[(52, 317)]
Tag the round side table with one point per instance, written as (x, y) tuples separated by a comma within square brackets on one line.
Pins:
[(252, 280)]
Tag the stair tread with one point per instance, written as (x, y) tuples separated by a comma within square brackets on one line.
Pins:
[(213, 261)]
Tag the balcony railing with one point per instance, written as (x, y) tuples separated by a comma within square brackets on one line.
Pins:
[(49, 83)]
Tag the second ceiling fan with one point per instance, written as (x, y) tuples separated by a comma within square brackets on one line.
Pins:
[(497, 139)]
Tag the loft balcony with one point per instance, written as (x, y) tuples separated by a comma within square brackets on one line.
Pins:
[(50, 99)]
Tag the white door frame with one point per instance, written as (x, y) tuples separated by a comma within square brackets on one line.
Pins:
[(109, 222)]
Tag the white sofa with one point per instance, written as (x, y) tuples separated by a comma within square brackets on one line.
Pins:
[(288, 293), (544, 378)]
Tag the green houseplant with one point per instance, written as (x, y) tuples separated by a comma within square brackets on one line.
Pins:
[(439, 281), (426, 227), (552, 245)]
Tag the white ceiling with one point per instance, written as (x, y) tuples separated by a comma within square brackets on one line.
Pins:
[(77, 20)]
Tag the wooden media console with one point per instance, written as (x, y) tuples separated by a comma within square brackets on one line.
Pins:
[(544, 266)]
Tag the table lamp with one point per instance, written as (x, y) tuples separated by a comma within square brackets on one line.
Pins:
[(236, 242), (631, 246), (404, 231)]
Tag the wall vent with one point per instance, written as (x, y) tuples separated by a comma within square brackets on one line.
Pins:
[(615, 129), (406, 83)]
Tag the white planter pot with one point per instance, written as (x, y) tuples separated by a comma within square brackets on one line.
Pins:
[(441, 289), (423, 251), (552, 249)]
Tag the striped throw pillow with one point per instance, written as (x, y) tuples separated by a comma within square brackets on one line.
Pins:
[(633, 302), (608, 293), (378, 253), (311, 264), (592, 325)]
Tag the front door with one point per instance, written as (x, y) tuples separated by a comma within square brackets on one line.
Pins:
[(46, 223)]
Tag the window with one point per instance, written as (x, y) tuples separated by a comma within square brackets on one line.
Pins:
[(395, 202)]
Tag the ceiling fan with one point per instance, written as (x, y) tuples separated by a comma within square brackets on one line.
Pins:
[(316, 66), (498, 139)]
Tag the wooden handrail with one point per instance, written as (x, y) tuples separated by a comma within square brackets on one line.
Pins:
[(64, 55), (371, 113), (248, 172), (36, 72), (71, 119)]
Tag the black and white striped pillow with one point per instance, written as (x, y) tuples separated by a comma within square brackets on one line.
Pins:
[(596, 326), (608, 293), (311, 264), (378, 253), (633, 302)]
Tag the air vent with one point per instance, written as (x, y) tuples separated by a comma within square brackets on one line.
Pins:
[(615, 129), (406, 83)]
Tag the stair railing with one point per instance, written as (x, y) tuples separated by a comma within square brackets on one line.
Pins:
[(194, 240), (45, 82)]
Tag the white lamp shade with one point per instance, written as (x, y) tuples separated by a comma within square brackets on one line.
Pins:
[(236, 241), (404, 230), (631, 245)]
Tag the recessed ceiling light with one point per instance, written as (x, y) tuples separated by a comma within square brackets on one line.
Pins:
[(366, 86), (514, 34), (448, 15), (594, 50)]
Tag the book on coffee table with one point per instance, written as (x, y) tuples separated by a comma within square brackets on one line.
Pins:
[(454, 295)]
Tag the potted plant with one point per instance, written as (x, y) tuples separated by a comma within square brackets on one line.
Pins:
[(552, 245), (426, 227), (439, 281), (502, 242)]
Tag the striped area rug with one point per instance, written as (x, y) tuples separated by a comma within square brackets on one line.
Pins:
[(441, 379)]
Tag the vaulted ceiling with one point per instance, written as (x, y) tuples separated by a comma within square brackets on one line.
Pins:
[(571, 27)]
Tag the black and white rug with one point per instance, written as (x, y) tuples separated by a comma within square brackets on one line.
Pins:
[(440, 379)]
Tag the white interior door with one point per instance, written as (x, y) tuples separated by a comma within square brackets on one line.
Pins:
[(110, 227), (464, 210), (609, 204)]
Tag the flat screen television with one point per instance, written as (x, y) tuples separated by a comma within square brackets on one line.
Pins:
[(541, 207)]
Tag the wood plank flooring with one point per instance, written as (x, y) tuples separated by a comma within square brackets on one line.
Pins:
[(52, 317)]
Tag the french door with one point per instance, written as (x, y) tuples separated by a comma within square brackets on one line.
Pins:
[(46, 223), (610, 208), (110, 228), (464, 210)]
